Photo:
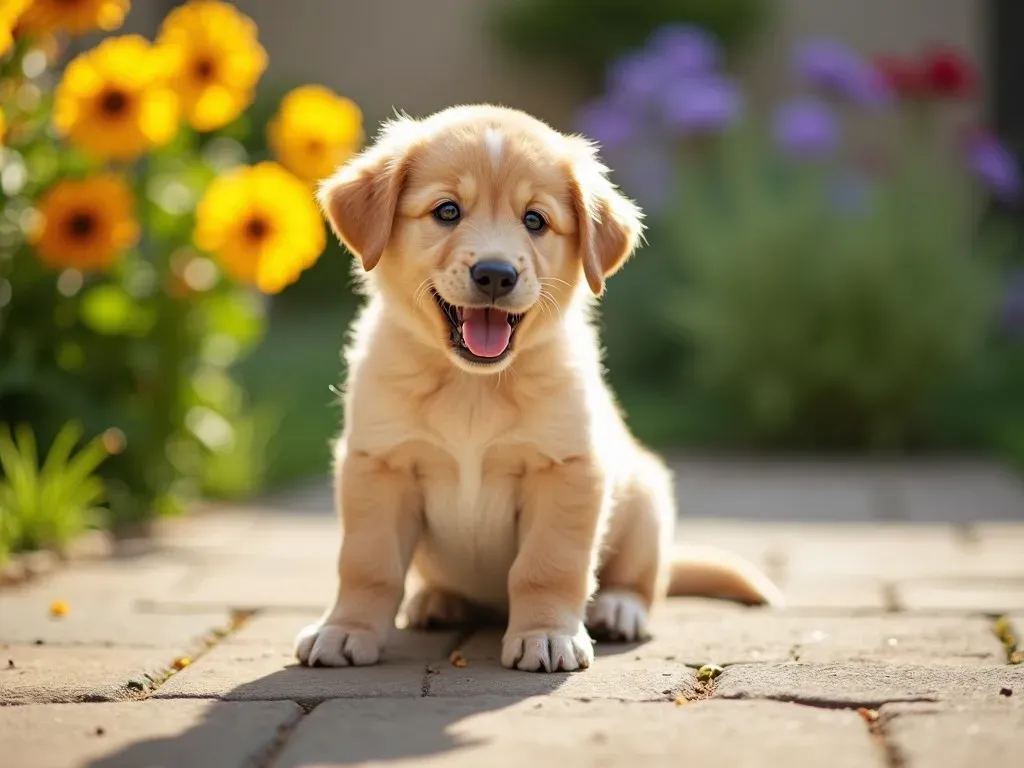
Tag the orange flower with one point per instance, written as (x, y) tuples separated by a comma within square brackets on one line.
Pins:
[(74, 16), (262, 225), (216, 61), (114, 101), (85, 224), (315, 131)]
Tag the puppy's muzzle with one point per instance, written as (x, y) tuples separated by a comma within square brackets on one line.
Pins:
[(494, 278)]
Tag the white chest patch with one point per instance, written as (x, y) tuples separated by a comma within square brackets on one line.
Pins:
[(494, 142), (470, 537)]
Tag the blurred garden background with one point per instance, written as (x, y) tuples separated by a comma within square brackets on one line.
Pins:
[(835, 262)]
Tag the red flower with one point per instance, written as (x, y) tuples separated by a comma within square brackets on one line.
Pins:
[(906, 78), (948, 73)]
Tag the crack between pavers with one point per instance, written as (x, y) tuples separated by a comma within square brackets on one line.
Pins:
[(136, 690), (434, 667), (890, 598), (281, 738)]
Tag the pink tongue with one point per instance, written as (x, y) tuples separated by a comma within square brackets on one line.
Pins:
[(486, 331)]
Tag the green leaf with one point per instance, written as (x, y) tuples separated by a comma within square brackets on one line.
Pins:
[(109, 310)]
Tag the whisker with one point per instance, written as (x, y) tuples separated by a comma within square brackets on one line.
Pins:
[(557, 280)]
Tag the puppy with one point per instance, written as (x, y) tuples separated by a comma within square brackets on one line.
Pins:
[(481, 446)]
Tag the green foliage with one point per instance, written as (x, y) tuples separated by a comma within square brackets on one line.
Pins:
[(586, 35), (144, 347), (794, 320), (47, 506)]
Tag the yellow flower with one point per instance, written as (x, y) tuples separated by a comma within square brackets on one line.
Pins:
[(74, 16), (217, 60), (3, 128), (262, 225), (315, 131), (114, 101), (10, 11), (85, 224)]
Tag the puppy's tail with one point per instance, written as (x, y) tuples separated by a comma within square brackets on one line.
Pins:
[(704, 571)]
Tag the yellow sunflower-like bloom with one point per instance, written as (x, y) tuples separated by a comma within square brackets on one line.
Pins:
[(86, 223), (114, 101), (74, 16), (217, 60), (262, 225), (10, 12), (315, 131)]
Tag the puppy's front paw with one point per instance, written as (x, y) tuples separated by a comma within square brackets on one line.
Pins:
[(618, 615), (332, 645), (548, 651)]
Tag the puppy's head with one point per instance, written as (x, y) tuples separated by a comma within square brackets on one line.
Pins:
[(480, 224)]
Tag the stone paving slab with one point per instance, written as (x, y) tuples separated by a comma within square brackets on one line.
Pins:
[(197, 734), (834, 594), (619, 672), (757, 635), (961, 737), (866, 685), (99, 620), (257, 664), (251, 586), (126, 578), (539, 731), (950, 492), (978, 597), (56, 674)]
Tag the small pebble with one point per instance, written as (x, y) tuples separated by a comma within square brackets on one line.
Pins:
[(1004, 691), (709, 672), (181, 662), (869, 715), (39, 641), (680, 700), (457, 659), (100, 730), (10, 663)]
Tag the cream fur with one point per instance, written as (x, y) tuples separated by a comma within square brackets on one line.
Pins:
[(516, 486)]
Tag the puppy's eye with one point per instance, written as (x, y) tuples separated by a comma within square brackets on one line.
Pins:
[(534, 222), (447, 213)]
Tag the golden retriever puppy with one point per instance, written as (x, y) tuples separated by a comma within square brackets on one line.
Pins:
[(481, 447)]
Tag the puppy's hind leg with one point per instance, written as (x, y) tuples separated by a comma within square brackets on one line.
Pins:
[(635, 567)]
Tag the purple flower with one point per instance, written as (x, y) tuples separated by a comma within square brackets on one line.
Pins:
[(672, 52), (995, 166), (609, 122), (685, 50), (636, 77), (806, 128), (702, 105), (834, 69)]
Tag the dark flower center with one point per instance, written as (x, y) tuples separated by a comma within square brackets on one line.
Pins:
[(203, 69), (256, 228), (113, 102), (81, 225)]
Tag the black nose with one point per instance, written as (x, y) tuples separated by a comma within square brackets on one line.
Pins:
[(494, 278)]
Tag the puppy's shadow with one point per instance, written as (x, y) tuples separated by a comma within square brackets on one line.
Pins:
[(354, 715)]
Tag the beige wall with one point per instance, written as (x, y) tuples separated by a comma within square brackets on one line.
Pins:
[(420, 56)]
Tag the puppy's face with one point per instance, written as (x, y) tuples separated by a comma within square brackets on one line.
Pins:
[(480, 224)]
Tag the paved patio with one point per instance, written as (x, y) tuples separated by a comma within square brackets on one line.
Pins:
[(177, 652)]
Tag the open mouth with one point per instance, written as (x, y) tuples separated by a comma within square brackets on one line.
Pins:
[(482, 335)]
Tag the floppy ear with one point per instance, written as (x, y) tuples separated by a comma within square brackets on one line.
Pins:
[(610, 225), (360, 199)]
